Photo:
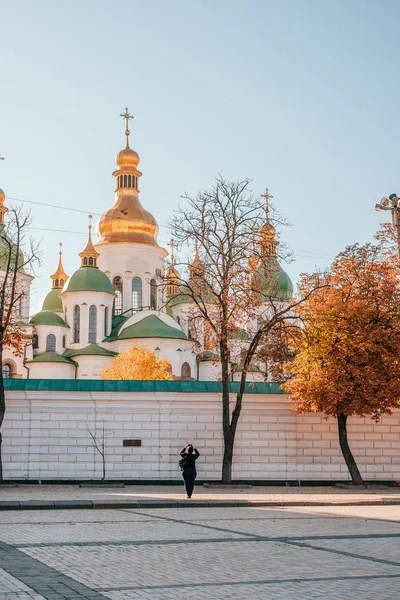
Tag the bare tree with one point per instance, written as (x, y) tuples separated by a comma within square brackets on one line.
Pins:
[(233, 285), (99, 443), (19, 254)]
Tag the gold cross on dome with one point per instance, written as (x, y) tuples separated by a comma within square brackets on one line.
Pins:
[(267, 197), (60, 244), (90, 222), (126, 115)]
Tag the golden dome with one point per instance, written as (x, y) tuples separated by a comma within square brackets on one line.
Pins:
[(127, 158), (127, 220), (2, 196)]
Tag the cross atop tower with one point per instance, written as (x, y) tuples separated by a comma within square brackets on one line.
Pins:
[(267, 197), (172, 246), (126, 115)]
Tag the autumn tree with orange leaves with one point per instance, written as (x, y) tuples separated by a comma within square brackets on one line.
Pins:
[(138, 363), (348, 352), (18, 257)]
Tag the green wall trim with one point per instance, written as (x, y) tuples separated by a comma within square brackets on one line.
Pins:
[(95, 385)]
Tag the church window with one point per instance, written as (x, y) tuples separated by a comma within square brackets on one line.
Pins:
[(77, 324), (117, 284), (85, 261), (125, 180), (92, 324), (178, 320), (186, 372), (35, 341), (62, 282), (129, 181), (7, 372), (106, 321), (91, 261), (136, 293), (64, 341), (153, 294), (57, 283), (51, 343)]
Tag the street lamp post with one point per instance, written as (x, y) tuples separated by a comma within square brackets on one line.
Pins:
[(393, 204)]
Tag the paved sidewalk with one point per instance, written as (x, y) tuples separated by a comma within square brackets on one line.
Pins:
[(164, 496), (253, 553)]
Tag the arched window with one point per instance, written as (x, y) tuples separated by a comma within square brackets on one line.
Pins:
[(125, 180), (136, 293), (129, 181), (51, 343), (92, 324), (117, 284), (56, 283), (178, 320), (153, 294), (106, 321), (77, 324), (35, 341), (62, 282), (64, 341), (90, 261), (186, 372), (7, 371)]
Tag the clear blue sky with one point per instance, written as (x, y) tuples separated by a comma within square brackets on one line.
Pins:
[(300, 95)]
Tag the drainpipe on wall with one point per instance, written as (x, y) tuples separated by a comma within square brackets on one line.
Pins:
[(23, 362)]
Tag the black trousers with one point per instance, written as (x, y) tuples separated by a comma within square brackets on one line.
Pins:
[(189, 475)]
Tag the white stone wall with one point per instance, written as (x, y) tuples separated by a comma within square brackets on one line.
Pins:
[(45, 437)]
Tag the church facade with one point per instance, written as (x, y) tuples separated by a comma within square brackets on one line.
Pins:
[(123, 294)]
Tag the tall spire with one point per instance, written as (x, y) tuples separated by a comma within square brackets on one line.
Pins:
[(268, 240), (59, 277), (196, 268), (173, 277), (89, 254)]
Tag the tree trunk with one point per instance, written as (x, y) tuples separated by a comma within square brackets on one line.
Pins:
[(226, 428), (347, 453), (2, 411)]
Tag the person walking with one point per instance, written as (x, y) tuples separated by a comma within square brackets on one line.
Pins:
[(189, 456)]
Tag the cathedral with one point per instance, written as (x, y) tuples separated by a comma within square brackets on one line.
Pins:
[(117, 297)]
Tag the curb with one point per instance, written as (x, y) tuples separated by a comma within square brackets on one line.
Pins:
[(110, 504)]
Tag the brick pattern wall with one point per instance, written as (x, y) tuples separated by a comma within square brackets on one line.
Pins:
[(46, 436)]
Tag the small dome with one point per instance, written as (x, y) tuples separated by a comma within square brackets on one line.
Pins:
[(273, 281), (88, 279), (48, 317), (53, 301), (127, 158)]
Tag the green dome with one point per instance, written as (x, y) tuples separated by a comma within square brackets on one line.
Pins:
[(149, 327), (89, 279), (53, 301), (5, 252), (48, 317), (274, 282)]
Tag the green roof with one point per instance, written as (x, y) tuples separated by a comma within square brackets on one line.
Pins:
[(53, 301), (107, 386), (89, 279), (51, 357), (181, 298), (48, 317), (90, 350), (207, 355), (149, 327), (274, 282)]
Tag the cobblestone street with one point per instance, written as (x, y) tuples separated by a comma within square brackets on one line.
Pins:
[(252, 553)]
